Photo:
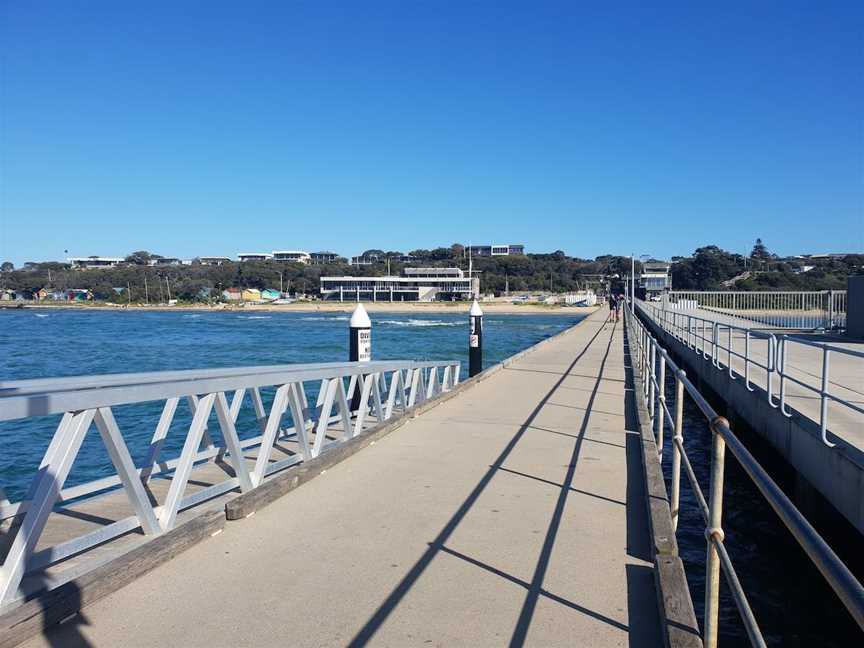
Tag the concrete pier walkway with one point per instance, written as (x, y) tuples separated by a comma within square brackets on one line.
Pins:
[(513, 514)]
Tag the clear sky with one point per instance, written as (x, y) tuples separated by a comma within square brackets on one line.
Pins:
[(211, 128)]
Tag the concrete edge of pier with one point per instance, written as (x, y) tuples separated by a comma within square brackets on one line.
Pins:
[(837, 473), (677, 617), (59, 603)]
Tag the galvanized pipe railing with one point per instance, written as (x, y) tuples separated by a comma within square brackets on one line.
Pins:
[(838, 576), (815, 309), (715, 340), (384, 388)]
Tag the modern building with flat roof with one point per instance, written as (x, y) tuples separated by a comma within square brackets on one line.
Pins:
[(298, 256), (416, 284), (214, 260), (165, 261), (95, 262), (655, 278), (254, 256), (496, 250), (323, 257)]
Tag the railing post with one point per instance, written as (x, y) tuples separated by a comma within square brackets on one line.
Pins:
[(714, 533), (677, 438), (823, 406), (661, 404), (652, 369)]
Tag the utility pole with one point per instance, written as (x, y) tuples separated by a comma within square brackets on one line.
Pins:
[(128, 294), (168, 284), (146, 293), (632, 277)]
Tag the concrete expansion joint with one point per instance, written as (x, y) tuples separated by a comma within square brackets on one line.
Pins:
[(714, 533)]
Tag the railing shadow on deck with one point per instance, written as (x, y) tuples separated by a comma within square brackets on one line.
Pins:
[(642, 629)]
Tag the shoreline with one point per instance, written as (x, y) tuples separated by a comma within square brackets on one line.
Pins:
[(343, 307)]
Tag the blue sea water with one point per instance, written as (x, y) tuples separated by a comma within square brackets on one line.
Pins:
[(67, 342)]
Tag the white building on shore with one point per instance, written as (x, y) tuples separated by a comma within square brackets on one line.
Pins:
[(415, 284)]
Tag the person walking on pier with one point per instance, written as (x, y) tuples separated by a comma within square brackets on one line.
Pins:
[(613, 304)]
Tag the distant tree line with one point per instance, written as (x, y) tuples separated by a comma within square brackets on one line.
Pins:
[(708, 268), (711, 268)]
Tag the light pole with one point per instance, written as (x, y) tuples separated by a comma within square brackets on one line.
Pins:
[(633, 274)]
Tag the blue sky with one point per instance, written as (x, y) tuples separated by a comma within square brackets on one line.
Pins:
[(214, 128)]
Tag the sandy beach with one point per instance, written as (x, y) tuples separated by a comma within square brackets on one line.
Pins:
[(341, 307)]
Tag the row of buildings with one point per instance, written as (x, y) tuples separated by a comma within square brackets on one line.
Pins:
[(297, 256), (294, 256)]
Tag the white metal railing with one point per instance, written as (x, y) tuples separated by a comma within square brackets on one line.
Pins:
[(814, 309), (378, 389), (653, 363), (770, 352)]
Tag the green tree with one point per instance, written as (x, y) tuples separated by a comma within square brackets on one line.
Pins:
[(141, 257)]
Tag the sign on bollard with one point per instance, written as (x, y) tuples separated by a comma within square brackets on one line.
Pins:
[(359, 346), (475, 340)]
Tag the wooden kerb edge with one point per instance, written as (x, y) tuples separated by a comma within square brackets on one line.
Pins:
[(51, 607), (678, 620), (242, 505)]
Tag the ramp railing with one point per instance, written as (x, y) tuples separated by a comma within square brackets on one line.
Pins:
[(772, 355), (261, 413), (654, 362), (789, 309)]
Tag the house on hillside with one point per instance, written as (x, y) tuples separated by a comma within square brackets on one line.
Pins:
[(297, 256), (95, 262), (213, 260)]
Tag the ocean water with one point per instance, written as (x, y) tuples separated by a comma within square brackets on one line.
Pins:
[(68, 342)]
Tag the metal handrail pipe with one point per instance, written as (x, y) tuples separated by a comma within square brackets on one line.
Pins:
[(68, 400), (41, 385), (835, 572), (739, 596)]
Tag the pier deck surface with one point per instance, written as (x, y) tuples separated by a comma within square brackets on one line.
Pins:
[(513, 514), (804, 363)]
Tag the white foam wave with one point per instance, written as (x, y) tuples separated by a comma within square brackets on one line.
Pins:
[(41, 315), (417, 323), (254, 317), (340, 318)]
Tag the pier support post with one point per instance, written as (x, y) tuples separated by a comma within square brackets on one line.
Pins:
[(475, 340), (359, 346)]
